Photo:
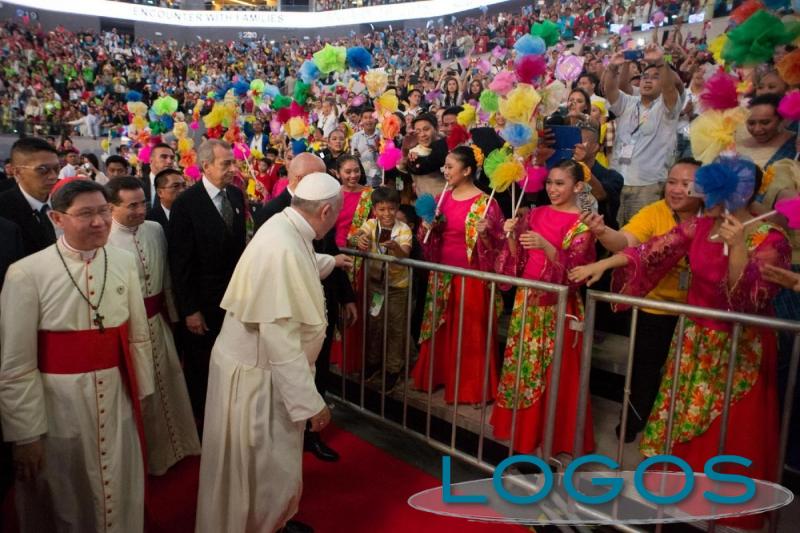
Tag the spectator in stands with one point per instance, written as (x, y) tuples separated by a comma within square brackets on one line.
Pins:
[(365, 146), (116, 166), (71, 165)]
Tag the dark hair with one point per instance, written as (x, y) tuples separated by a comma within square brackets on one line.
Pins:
[(92, 159), (426, 117), (572, 167), (688, 161), (592, 78), (344, 158), (452, 110), (31, 145), (117, 159), (414, 90), (272, 151), (411, 214), (586, 97), (467, 158), (385, 195), (66, 194), (161, 178), (122, 183), (766, 99), (366, 109), (162, 145)]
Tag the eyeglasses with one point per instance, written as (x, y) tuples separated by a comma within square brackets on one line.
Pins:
[(87, 215), (42, 170)]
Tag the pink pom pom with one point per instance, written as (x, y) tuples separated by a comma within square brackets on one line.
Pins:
[(484, 66), (275, 126), (530, 67), (499, 52), (144, 153), (790, 208), (241, 151), (296, 110), (536, 176), (390, 156), (720, 92), (358, 101), (503, 82), (658, 17), (192, 172), (194, 125), (789, 107)]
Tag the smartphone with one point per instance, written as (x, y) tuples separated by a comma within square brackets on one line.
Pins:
[(385, 235), (633, 55)]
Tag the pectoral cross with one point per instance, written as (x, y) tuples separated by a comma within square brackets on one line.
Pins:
[(98, 321)]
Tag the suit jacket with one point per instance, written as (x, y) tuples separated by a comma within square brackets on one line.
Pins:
[(157, 214), (147, 194), (12, 248), (16, 208), (264, 140), (338, 289), (202, 251)]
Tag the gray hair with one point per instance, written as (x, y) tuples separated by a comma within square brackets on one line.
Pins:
[(205, 154), (312, 207)]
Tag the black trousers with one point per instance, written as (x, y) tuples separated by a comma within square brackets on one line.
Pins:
[(653, 338), (196, 357), (323, 363)]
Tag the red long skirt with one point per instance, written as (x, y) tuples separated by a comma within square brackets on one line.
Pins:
[(473, 346)]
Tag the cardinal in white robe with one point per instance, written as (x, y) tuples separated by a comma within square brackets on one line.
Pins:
[(261, 388), (75, 360), (169, 426)]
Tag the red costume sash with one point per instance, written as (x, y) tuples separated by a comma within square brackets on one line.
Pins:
[(154, 305), (79, 352)]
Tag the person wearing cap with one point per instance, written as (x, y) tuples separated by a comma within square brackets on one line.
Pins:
[(75, 362), (261, 387), (169, 425)]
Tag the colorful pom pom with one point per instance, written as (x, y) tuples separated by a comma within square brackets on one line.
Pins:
[(489, 101), (301, 92), (503, 82), (754, 41), (529, 68), (166, 105), (729, 181), (458, 135), (789, 67), (376, 81), (358, 58), (388, 101), (519, 104), (467, 117), (548, 31), (720, 92), (281, 102), (530, 45), (241, 151), (425, 207), (517, 134), (535, 178), (494, 159), (505, 174), (789, 108), (391, 155), (133, 96), (390, 127), (713, 131), (308, 72), (331, 59), (296, 128)]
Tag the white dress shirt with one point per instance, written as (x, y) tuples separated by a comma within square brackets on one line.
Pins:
[(213, 192)]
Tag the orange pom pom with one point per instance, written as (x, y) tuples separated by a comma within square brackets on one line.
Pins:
[(789, 67), (746, 10)]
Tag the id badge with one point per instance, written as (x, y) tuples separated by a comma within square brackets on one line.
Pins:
[(683, 280), (399, 184), (376, 305), (626, 154)]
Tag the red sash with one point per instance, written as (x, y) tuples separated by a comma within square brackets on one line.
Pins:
[(79, 352), (154, 305)]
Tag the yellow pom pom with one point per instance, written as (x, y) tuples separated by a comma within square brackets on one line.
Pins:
[(139, 122), (505, 174), (519, 104), (714, 131), (256, 154), (467, 117), (296, 128), (526, 149), (185, 144), (716, 46), (214, 118), (105, 145), (376, 81), (180, 130), (251, 188), (388, 101), (133, 160)]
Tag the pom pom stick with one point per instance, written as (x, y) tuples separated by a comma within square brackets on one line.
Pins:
[(426, 207), (436, 214), (788, 207), (503, 176)]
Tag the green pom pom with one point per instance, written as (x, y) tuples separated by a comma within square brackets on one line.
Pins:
[(548, 31), (495, 159), (301, 92), (257, 86), (331, 59), (166, 105), (489, 101), (281, 101), (155, 127), (754, 41)]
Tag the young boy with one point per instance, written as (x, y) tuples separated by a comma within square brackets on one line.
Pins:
[(384, 234)]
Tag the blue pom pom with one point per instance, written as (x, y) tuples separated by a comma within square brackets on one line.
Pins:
[(530, 44), (222, 91), (728, 180), (133, 96), (167, 122), (299, 146), (359, 58), (240, 88), (426, 207), (517, 134), (308, 72), (271, 91)]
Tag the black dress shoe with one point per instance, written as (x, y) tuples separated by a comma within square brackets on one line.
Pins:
[(293, 526), (313, 443)]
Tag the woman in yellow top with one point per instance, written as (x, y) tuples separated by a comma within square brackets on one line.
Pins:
[(655, 328)]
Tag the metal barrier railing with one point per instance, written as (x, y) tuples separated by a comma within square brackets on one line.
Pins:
[(592, 297)]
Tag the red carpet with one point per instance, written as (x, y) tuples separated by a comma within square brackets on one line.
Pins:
[(366, 491)]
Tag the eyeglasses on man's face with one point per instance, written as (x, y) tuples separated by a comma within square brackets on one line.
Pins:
[(87, 215), (42, 170)]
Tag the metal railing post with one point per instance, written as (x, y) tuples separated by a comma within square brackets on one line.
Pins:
[(626, 395), (409, 312), (432, 355), (555, 374), (486, 368), (586, 361), (385, 346), (365, 310), (458, 360)]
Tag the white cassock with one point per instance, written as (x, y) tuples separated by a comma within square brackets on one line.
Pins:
[(261, 383), (169, 427), (64, 381)]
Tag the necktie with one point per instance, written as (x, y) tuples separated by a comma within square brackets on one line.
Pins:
[(44, 220), (226, 210)]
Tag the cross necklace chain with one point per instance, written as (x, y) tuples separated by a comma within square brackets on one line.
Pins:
[(98, 318)]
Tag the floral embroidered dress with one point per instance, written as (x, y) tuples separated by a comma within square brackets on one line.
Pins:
[(356, 209), (455, 242), (574, 244), (753, 416)]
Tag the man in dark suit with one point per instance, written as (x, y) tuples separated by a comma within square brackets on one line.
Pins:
[(35, 166), (258, 139), (206, 236), (169, 184), (11, 246), (162, 157), (338, 291)]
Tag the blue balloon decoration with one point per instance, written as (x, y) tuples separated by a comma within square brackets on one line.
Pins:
[(530, 44)]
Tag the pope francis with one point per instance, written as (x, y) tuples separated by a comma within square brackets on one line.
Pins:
[(261, 386)]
